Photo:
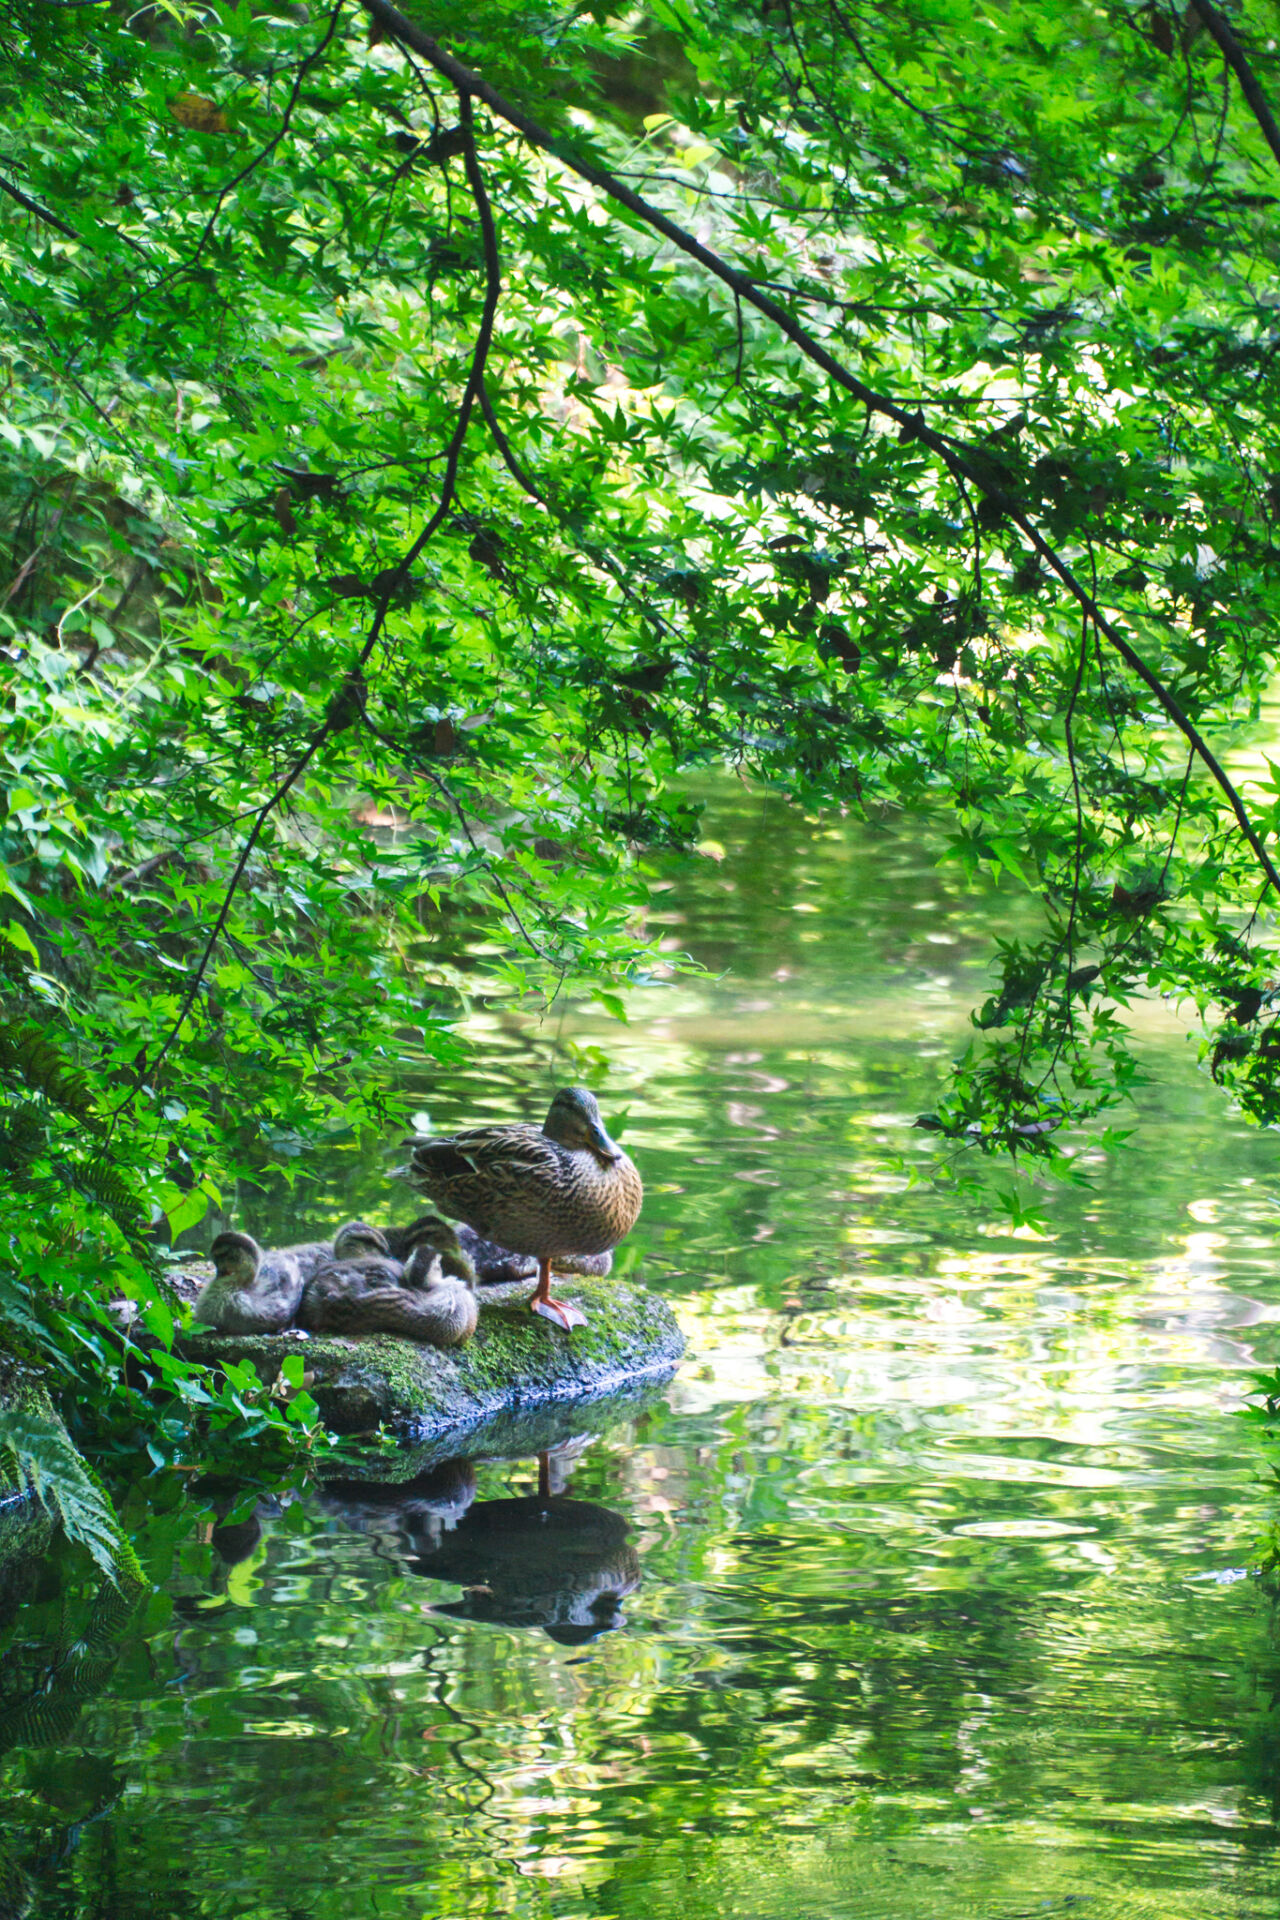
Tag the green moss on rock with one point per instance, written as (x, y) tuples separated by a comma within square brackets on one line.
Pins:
[(516, 1363)]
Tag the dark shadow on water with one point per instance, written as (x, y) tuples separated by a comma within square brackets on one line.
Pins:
[(563, 1565), (539, 1560)]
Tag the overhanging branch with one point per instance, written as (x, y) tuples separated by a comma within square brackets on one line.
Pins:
[(348, 703), (1234, 54), (964, 462), (41, 213)]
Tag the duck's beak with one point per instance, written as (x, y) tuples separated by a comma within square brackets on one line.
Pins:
[(601, 1144)]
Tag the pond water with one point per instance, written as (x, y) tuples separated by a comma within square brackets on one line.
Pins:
[(922, 1590)]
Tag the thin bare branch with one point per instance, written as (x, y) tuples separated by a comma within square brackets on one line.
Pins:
[(34, 206), (348, 703)]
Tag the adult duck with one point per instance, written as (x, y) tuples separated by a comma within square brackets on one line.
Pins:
[(553, 1191)]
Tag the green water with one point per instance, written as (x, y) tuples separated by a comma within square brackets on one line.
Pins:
[(921, 1592)]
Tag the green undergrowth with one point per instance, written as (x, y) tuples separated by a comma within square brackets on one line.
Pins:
[(39, 1465)]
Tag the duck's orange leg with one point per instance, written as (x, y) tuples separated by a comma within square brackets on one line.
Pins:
[(560, 1311)]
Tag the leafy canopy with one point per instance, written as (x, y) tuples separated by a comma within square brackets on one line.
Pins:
[(427, 437)]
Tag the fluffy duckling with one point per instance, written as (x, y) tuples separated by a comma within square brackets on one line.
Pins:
[(430, 1230), (253, 1291), (372, 1293)]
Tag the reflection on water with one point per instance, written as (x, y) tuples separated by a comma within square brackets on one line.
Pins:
[(920, 1594), (535, 1560)]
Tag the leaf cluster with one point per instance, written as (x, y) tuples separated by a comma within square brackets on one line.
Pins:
[(409, 480)]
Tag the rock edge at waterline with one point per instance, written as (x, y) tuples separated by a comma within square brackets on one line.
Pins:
[(515, 1361)]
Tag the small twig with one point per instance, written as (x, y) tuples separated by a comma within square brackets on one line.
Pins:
[(442, 787), (514, 466), (334, 719), (75, 607), (268, 807), (29, 564), (130, 588), (265, 153), (1069, 729), (229, 186), (977, 540), (1177, 822)]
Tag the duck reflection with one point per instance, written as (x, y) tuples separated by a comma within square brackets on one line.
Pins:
[(406, 1518), (533, 1560)]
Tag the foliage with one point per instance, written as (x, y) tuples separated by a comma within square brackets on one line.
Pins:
[(1264, 1416), (411, 476), (45, 1458)]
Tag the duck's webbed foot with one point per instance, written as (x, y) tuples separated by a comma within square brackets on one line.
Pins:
[(561, 1312)]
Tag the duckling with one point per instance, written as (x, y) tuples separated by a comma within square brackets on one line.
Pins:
[(253, 1291), (562, 1188), (256, 1292), (429, 1230), (468, 1257), (373, 1293)]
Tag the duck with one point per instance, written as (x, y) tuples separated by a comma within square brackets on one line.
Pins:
[(430, 1230), (562, 1189), (483, 1262), (363, 1289), (256, 1291)]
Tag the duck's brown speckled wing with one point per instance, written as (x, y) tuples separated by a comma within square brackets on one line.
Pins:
[(519, 1151), (480, 1174), (527, 1192)]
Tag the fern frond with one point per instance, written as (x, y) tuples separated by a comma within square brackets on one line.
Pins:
[(104, 1183), (16, 1308), (25, 1049), (21, 1137), (38, 1722), (66, 1488)]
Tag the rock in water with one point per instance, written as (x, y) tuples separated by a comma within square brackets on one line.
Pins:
[(515, 1362)]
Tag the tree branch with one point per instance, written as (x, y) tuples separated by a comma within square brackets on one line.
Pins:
[(260, 818), (1234, 54), (33, 206), (348, 702), (961, 461), (509, 458)]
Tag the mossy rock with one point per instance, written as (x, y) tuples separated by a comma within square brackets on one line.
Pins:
[(515, 1365)]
